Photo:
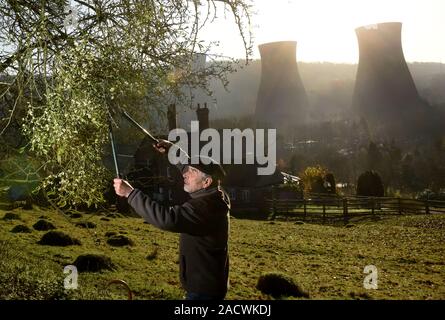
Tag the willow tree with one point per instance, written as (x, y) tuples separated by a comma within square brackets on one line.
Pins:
[(66, 66)]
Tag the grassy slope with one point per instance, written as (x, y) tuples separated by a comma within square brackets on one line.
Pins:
[(327, 261)]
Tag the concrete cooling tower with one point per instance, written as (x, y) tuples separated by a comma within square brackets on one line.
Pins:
[(282, 99), (385, 94)]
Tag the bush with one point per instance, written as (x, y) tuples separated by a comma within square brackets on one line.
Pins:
[(318, 180), (312, 179), (369, 184), (329, 183), (427, 194)]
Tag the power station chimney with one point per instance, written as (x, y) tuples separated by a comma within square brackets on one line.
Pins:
[(282, 99), (203, 117), (172, 117), (385, 93)]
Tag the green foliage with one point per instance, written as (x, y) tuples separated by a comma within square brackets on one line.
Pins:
[(318, 180), (18, 176), (69, 132), (69, 79)]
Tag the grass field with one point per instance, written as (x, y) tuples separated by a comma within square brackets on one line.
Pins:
[(327, 261)]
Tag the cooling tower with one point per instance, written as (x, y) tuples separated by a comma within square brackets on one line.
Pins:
[(385, 93), (282, 99)]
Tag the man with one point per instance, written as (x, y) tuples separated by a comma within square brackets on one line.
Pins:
[(202, 221)]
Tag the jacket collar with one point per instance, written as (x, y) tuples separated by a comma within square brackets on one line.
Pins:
[(203, 192)]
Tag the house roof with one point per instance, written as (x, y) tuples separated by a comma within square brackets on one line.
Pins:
[(238, 175)]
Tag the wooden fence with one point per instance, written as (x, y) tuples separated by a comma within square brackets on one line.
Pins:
[(328, 208)]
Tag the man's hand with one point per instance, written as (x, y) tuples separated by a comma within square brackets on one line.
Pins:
[(162, 146), (122, 187)]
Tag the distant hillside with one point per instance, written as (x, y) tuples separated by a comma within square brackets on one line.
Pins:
[(329, 87)]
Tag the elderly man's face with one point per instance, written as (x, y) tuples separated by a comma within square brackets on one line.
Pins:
[(194, 180)]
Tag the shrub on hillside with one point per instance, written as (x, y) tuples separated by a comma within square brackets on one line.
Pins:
[(369, 184), (427, 194), (317, 180)]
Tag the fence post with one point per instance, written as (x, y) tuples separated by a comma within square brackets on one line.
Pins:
[(324, 211), (399, 201), (345, 210), (304, 208), (372, 206), (274, 203), (427, 207)]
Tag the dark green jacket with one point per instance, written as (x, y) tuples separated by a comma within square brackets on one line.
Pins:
[(203, 224)]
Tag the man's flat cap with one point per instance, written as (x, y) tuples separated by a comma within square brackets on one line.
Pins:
[(208, 166)]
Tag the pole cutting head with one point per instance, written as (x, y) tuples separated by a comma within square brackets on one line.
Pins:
[(137, 125)]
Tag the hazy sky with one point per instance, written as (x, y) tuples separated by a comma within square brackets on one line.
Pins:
[(325, 29)]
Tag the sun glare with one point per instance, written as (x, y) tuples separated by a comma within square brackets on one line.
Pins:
[(325, 29)]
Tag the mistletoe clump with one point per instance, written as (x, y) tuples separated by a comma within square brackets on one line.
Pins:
[(62, 80), (69, 133)]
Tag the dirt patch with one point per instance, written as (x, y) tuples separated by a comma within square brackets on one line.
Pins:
[(58, 238), (279, 284), (21, 228), (110, 234), (11, 216), (86, 224), (113, 215), (153, 254), (43, 225), (119, 241), (93, 263)]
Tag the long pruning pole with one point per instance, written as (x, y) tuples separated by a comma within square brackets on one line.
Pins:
[(137, 125), (113, 147)]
